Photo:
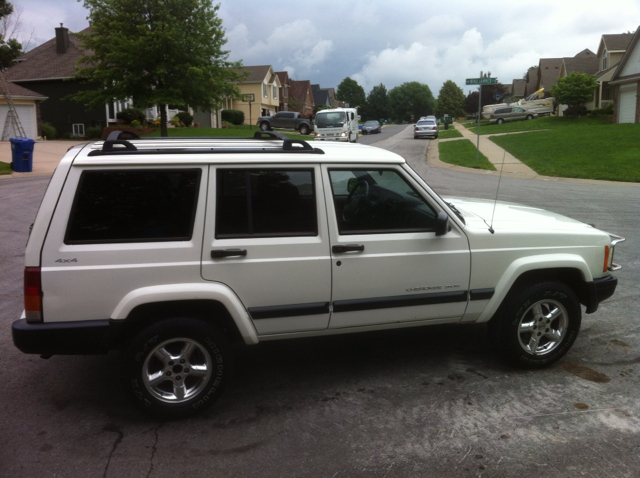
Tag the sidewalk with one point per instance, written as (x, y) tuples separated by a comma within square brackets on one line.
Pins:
[(46, 156), (501, 159)]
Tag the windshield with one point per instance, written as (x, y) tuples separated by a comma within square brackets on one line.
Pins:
[(371, 123), (327, 120)]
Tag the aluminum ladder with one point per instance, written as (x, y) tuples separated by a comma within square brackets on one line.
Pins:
[(12, 115)]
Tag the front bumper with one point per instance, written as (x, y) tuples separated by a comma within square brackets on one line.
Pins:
[(598, 291), (87, 337)]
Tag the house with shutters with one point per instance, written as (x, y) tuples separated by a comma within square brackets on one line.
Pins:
[(625, 83), (47, 70)]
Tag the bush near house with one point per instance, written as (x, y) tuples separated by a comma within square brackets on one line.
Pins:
[(185, 118), (128, 115), (49, 131), (233, 116)]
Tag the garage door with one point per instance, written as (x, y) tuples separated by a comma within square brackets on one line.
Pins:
[(627, 112), (27, 115)]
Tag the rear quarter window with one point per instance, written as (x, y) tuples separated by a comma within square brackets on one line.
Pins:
[(134, 206)]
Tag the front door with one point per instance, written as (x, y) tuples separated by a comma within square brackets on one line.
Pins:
[(265, 238), (388, 265)]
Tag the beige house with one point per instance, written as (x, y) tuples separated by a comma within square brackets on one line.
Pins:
[(259, 93), (625, 83), (610, 52)]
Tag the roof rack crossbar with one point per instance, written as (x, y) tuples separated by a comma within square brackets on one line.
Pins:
[(122, 135), (109, 145)]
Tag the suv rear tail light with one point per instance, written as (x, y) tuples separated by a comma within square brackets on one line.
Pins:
[(32, 294)]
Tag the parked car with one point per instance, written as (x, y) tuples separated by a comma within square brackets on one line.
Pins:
[(286, 120), (371, 127), (426, 129), (171, 250), (511, 113)]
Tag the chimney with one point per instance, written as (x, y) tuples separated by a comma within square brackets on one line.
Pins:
[(62, 39)]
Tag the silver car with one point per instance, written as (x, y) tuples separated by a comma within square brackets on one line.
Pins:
[(425, 129), (512, 113)]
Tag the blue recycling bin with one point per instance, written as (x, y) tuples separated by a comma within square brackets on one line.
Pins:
[(22, 154)]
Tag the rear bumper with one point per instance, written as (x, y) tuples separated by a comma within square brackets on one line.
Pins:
[(598, 291), (87, 337)]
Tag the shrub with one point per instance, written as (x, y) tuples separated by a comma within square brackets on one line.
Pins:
[(49, 131), (94, 132), (227, 124), (579, 110), (603, 111), (233, 116), (136, 124), (175, 121), (185, 117), (129, 115)]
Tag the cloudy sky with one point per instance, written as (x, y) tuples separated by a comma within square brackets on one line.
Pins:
[(379, 41)]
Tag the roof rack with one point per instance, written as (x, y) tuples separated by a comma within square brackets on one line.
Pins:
[(117, 144)]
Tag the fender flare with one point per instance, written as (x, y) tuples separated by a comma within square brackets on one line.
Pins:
[(528, 264), (171, 292)]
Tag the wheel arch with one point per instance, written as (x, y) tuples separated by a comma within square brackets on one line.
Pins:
[(570, 270), (214, 302)]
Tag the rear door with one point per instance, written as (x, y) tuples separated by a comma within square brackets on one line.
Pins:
[(388, 265), (266, 239)]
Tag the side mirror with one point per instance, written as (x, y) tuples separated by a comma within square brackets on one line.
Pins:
[(442, 223)]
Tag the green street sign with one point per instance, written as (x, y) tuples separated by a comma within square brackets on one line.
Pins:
[(482, 81)]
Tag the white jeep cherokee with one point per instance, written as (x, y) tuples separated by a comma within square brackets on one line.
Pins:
[(171, 249)]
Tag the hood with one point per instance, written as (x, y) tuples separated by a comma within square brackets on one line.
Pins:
[(507, 216)]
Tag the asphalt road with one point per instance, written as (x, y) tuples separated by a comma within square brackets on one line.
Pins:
[(430, 402)]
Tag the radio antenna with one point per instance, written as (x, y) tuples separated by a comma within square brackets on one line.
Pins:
[(495, 202)]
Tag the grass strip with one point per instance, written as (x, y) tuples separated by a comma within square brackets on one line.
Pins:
[(463, 153), (586, 151), (5, 168), (449, 133)]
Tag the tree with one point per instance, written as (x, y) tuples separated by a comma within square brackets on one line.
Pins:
[(411, 99), (156, 53), (471, 102), (351, 92), (377, 103), (10, 48), (575, 89), (450, 100)]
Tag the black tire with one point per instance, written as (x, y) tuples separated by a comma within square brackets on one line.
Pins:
[(529, 117), (536, 325), (304, 130), (196, 364), (264, 126), (500, 121)]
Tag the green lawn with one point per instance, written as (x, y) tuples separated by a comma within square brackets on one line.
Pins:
[(544, 122), (5, 168), (583, 148), (449, 133), (463, 153)]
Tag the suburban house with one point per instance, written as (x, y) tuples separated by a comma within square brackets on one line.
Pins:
[(284, 90), (47, 70), (27, 104), (625, 83), (259, 93), (517, 88), (301, 97), (531, 78), (610, 52), (547, 74), (320, 97)]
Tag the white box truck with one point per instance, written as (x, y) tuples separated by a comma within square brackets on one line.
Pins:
[(340, 124)]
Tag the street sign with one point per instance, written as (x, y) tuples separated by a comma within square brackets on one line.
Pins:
[(482, 81)]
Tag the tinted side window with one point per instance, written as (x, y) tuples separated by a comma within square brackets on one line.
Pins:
[(378, 201), (134, 206), (265, 203)]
